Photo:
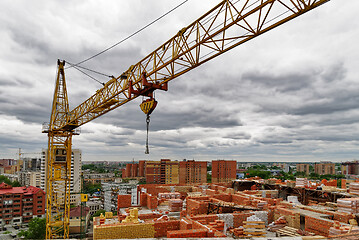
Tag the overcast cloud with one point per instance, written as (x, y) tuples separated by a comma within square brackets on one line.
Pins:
[(289, 95)]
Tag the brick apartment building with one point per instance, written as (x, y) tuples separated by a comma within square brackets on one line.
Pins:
[(223, 171), (303, 167), (162, 172), (133, 170), (9, 166), (350, 168), (191, 171), (323, 168), (18, 205)]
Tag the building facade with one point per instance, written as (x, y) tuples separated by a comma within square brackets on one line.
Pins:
[(191, 171), (323, 168), (350, 168), (76, 169), (18, 205), (223, 171), (27, 178), (162, 172), (303, 167)]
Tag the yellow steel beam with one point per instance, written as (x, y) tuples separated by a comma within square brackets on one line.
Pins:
[(58, 166), (224, 27)]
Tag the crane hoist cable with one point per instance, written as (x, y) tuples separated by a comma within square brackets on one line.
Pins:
[(126, 38)]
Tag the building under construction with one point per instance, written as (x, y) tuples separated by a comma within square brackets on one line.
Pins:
[(244, 209)]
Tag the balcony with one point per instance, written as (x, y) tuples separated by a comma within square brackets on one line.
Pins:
[(7, 217)]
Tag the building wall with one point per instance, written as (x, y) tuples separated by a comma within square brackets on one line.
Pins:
[(20, 204), (76, 169), (350, 168), (303, 167), (153, 172), (223, 171), (324, 168), (192, 172), (141, 168)]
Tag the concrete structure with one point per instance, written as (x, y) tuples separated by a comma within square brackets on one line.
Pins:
[(303, 167), (18, 205), (191, 171), (323, 168), (350, 168), (223, 171), (112, 190), (31, 164), (94, 206), (27, 178), (75, 170)]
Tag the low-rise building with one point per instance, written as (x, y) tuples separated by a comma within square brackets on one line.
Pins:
[(18, 205)]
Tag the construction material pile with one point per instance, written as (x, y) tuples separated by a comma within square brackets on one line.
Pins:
[(337, 229), (301, 182), (278, 224), (175, 205), (354, 188), (348, 205), (238, 232), (171, 195), (254, 227), (227, 218), (293, 199)]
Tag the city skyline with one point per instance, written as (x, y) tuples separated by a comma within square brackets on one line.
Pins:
[(289, 95)]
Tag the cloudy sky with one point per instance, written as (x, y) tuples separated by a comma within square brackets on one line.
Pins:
[(291, 94)]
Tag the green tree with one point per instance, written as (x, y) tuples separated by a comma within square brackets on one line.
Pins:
[(209, 178), (37, 229), (8, 181), (98, 213), (90, 188)]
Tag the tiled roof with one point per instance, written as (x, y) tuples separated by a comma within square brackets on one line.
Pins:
[(76, 211), (18, 190)]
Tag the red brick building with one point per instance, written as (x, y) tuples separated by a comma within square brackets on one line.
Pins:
[(134, 170), (223, 171), (18, 205), (191, 171)]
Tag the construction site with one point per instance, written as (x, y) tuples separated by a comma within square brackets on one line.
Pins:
[(252, 208), (243, 209)]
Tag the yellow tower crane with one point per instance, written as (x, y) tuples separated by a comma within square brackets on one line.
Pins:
[(227, 25)]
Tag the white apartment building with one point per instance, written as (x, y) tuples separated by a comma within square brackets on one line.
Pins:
[(76, 166), (27, 178)]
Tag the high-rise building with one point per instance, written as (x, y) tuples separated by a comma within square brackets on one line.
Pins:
[(223, 171), (76, 165), (303, 167), (323, 168), (162, 172), (191, 171), (350, 168)]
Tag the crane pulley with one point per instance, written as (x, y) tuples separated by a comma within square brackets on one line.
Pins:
[(149, 104)]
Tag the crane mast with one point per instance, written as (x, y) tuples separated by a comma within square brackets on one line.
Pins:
[(229, 24)]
